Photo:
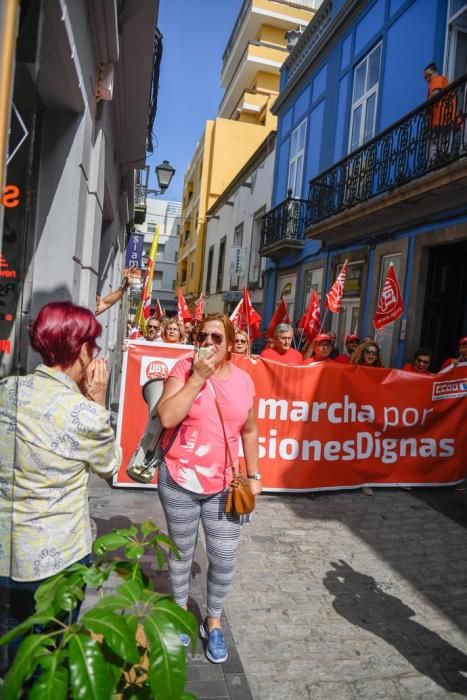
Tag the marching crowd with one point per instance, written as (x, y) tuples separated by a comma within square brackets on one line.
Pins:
[(286, 346)]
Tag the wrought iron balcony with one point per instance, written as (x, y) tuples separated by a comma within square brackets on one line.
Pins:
[(426, 140), (141, 192), (282, 228)]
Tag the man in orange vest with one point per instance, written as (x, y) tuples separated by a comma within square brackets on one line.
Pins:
[(443, 120)]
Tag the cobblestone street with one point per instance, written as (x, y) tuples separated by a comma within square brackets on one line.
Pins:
[(336, 598)]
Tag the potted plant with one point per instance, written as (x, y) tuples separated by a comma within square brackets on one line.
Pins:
[(127, 646)]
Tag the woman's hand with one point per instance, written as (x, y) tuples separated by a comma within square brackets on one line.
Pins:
[(256, 487), (204, 365), (95, 381)]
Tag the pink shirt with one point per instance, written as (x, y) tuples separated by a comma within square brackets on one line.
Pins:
[(198, 460)]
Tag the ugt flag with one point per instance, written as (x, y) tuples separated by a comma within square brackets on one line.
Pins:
[(311, 319), (391, 304), (335, 294)]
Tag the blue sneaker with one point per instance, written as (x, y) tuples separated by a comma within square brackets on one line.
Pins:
[(216, 649), (184, 639)]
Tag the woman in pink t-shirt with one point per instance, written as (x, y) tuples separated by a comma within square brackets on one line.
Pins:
[(194, 481)]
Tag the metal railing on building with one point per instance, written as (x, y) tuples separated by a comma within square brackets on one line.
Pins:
[(427, 139), (283, 226)]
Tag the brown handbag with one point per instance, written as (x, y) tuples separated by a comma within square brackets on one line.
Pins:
[(240, 499)]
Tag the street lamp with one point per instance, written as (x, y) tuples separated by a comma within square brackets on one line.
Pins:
[(164, 174)]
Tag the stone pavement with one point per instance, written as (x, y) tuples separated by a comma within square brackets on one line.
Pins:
[(342, 597)]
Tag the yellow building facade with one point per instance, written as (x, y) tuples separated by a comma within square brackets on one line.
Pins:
[(255, 51)]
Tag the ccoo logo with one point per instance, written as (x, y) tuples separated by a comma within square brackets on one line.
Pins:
[(453, 389)]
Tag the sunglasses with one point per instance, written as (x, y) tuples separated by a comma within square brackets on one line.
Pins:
[(241, 341), (153, 328), (217, 338), (371, 352)]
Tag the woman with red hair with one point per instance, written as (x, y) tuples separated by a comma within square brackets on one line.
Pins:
[(61, 430)]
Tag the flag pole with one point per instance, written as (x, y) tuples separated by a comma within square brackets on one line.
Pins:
[(324, 318)]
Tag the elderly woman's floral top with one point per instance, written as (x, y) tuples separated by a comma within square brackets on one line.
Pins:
[(51, 438)]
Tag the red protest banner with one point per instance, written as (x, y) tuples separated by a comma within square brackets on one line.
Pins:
[(328, 425)]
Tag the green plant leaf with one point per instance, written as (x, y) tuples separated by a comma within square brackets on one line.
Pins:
[(107, 543), (160, 558), (69, 595), (152, 597), (127, 532), (90, 679), (165, 539), (142, 692), (126, 595), (26, 660), (167, 660), (148, 527), (114, 664), (125, 569), (129, 592), (183, 620), (95, 576), (45, 594), (52, 684), (116, 632), (134, 551), (41, 618), (63, 591)]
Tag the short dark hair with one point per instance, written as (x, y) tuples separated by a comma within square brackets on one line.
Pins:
[(431, 66), (423, 351), (59, 331)]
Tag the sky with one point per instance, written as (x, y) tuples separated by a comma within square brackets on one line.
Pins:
[(195, 34)]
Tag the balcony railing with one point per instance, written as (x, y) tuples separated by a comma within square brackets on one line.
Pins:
[(428, 138), (283, 227)]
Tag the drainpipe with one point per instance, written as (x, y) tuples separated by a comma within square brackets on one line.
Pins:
[(408, 280), (9, 13), (366, 304)]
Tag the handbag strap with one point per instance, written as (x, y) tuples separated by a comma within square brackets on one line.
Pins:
[(232, 466)]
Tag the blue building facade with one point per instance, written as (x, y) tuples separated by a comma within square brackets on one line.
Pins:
[(370, 171)]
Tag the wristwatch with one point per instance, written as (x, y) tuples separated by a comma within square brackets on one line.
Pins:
[(256, 477)]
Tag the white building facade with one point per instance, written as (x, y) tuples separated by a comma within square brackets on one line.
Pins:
[(233, 236), (84, 83), (166, 215)]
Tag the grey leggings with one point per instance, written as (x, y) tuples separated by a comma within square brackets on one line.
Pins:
[(183, 510)]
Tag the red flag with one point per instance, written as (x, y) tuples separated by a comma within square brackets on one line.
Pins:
[(252, 317), (244, 317), (335, 294), (390, 304), (159, 311), (236, 316), (134, 333), (311, 319), (281, 315), (183, 310), (199, 309)]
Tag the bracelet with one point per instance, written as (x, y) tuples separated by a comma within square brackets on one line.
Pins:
[(256, 477)]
